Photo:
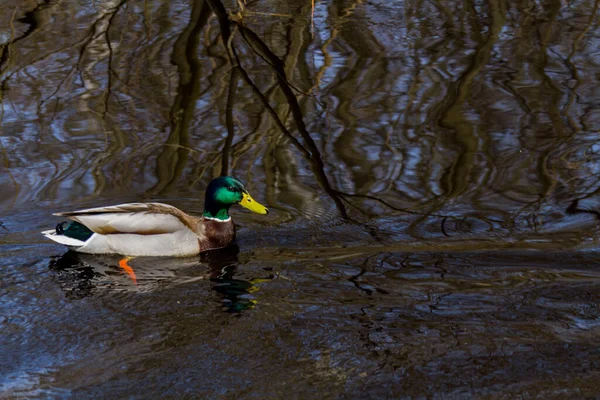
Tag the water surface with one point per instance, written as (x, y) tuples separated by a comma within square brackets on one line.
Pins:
[(431, 168)]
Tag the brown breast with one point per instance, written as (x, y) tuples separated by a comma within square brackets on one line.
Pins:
[(218, 234)]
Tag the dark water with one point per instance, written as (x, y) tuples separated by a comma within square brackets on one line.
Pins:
[(432, 169)]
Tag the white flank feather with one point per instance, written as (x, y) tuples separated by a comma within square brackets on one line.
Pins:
[(131, 222), (127, 218)]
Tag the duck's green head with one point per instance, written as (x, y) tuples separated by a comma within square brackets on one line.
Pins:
[(225, 191)]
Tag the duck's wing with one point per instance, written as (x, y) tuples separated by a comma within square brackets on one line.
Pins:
[(138, 218)]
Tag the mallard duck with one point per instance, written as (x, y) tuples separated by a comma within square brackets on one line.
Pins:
[(156, 229)]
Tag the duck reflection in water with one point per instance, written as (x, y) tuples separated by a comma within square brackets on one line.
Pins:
[(236, 292), (81, 275)]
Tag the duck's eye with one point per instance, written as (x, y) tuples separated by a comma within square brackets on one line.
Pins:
[(231, 189)]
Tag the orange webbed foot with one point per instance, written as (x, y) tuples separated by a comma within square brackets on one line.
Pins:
[(123, 263)]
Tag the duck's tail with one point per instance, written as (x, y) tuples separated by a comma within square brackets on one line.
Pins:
[(62, 239), (72, 234)]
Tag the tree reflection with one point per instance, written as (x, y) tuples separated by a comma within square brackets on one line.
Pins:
[(460, 110)]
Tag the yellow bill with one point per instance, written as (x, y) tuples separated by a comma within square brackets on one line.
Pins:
[(252, 205)]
